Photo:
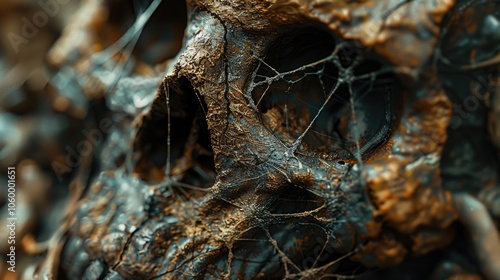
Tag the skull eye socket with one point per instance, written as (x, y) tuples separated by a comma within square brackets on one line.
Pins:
[(347, 99)]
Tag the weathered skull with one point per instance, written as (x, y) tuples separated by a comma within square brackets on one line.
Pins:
[(302, 139)]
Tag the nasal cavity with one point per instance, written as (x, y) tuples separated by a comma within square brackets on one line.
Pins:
[(175, 134)]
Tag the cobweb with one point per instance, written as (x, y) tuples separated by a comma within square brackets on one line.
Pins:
[(336, 102), (341, 104), (156, 205)]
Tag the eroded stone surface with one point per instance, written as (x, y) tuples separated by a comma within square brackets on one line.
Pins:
[(271, 204)]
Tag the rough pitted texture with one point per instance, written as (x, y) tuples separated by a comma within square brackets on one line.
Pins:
[(296, 139)]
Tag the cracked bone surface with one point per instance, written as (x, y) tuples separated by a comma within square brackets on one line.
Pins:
[(259, 139)]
